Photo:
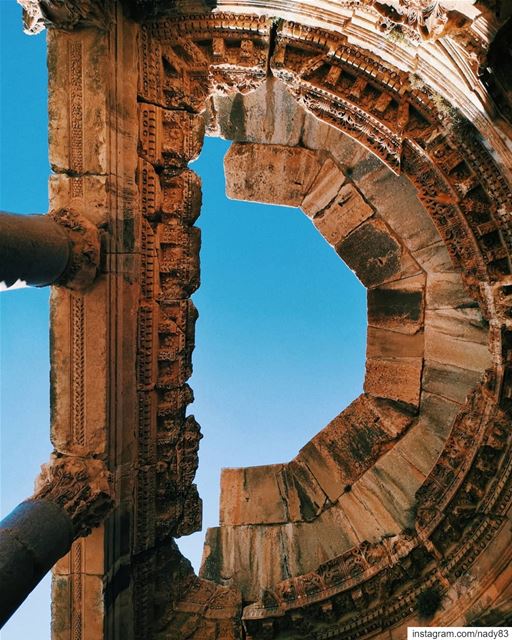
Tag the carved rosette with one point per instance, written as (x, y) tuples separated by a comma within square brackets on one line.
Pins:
[(84, 261), (80, 486)]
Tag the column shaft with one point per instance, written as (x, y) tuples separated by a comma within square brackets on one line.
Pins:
[(32, 538), (33, 248)]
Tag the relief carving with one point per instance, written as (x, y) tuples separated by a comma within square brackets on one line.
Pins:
[(462, 502), (429, 18), (80, 486), (85, 249)]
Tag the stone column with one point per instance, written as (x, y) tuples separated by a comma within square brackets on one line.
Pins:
[(72, 496), (59, 248)]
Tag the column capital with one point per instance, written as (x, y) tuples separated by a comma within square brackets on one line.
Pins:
[(84, 259), (80, 486)]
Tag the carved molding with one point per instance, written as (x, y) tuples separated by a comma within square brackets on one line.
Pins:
[(80, 486)]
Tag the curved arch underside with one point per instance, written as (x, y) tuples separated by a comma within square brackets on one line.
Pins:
[(407, 492)]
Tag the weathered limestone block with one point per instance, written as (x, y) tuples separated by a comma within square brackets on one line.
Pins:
[(451, 382), (372, 253), (366, 516), (434, 258), (251, 495), (90, 606), (268, 115), (392, 344), (445, 291), (394, 378), (351, 443), (78, 102), (257, 557), (249, 556), (390, 486), (170, 138), (270, 173), (425, 440), (462, 323), (305, 499), (397, 203), (324, 189), (79, 404), (398, 306), (90, 556), (319, 135), (270, 494), (346, 213), (452, 351)]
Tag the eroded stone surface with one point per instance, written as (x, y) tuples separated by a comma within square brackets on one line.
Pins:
[(345, 213), (372, 253), (346, 447), (273, 174), (393, 378), (397, 307), (324, 189)]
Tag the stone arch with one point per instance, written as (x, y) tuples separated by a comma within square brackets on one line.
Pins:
[(418, 355), (466, 197), (461, 506)]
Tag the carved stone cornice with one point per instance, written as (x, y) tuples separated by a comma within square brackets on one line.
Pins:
[(64, 14), (85, 249), (80, 486)]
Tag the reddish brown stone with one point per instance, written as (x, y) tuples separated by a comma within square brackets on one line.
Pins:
[(394, 378), (372, 253), (343, 215), (351, 443), (270, 173)]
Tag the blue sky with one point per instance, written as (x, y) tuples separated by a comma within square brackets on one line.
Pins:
[(280, 337)]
